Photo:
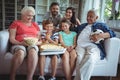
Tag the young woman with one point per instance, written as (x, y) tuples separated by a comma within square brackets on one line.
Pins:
[(70, 15)]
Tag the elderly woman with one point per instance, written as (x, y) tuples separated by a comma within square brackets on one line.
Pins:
[(18, 30)]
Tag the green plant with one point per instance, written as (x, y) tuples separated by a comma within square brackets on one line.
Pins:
[(108, 11)]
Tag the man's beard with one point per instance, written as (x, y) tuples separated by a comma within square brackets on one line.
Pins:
[(54, 13)]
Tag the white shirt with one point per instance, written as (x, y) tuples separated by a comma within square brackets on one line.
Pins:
[(84, 37)]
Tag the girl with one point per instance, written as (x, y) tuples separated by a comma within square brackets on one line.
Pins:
[(68, 40)]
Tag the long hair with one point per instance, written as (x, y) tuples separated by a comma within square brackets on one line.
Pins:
[(73, 18)]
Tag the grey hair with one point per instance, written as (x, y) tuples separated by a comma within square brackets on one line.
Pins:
[(94, 11), (28, 8)]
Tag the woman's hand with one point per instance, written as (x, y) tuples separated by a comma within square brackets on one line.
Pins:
[(24, 43)]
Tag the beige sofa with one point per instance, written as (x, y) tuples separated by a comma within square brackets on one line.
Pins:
[(106, 67)]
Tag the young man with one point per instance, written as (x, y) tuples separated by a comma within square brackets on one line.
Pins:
[(88, 51), (53, 14)]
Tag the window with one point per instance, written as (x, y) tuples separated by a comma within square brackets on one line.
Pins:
[(112, 9)]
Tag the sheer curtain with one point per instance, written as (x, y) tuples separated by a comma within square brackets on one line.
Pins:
[(92, 4), (86, 5)]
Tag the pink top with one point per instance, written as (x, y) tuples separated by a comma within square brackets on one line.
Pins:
[(23, 30)]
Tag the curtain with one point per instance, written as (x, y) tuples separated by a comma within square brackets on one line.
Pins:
[(92, 4)]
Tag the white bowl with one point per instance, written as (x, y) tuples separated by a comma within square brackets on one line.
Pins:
[(31, 40)]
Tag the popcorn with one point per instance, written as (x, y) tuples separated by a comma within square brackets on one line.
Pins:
[(31, 40), (51, 47)]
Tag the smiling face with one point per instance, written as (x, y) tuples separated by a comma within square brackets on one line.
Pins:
[(49, 27), (65, 26), (54, 10), (68, 14), (27, 16), (91, 17)]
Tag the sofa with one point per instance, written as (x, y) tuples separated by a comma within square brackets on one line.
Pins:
[(106, 67)]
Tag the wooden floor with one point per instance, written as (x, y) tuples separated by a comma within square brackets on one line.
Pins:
[(19, 77)]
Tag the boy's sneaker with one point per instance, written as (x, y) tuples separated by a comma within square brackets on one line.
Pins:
[(52, 78), (41, 78)]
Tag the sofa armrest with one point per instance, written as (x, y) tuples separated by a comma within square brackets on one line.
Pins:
[(4, 41), (112, 47)]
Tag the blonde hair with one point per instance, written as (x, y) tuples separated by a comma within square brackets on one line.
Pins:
[(28, 8)]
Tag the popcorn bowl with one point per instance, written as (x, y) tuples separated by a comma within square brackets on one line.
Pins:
[(31, 40)]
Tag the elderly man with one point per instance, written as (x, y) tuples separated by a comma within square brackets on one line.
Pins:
[(87, 50)]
